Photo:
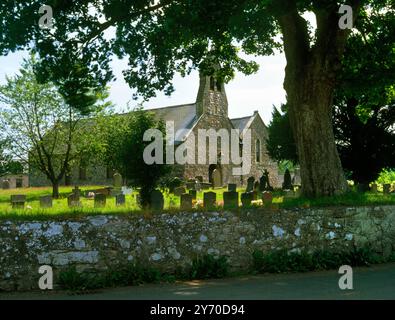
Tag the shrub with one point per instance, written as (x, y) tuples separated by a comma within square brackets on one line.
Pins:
[(284, 261), (209, 267)]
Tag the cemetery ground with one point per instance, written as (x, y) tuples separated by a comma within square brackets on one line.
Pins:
[(60, 208)]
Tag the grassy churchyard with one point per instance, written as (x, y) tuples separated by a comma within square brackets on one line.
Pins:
[(32, 209)]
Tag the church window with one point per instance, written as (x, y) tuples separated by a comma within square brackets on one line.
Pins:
[(258, 151)]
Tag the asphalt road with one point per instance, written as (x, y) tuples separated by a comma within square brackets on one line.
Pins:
[(376, 282)]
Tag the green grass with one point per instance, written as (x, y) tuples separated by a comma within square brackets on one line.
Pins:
[(60, 209)]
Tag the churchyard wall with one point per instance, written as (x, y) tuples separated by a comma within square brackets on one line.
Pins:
[(168, 241)]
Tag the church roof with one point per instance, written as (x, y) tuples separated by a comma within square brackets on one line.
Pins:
[(241, 123), (184, 117)]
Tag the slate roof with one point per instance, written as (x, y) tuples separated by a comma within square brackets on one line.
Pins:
[(184, 117)]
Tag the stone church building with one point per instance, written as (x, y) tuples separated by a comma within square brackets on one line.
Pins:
[(210, 111)]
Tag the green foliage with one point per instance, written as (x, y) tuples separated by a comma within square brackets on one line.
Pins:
[(125, 145), (281, 144), (128, 275), (279, 261), (386, 176), (208, 267), (42, 131)]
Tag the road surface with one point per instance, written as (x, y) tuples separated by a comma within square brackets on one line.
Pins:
[(376, 282)]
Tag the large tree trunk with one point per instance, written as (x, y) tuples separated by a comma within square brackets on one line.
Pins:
[(310, 107)]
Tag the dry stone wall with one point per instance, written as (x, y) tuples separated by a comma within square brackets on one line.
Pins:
[(168, 241)]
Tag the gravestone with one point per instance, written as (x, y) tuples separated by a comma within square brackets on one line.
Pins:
[(217, 179), (117, 180), (18, 201), (157, 200), (387, 188), (193, 193), (231, 200), (209, 200), (6, 185), (73, 200), (256, 186), (120, 200), (262, 183), (100, 200), (186, 202), (373, 188), (179, 191), (232, 187), (287, 184), (77, 191), (246, 199), (46, 202), (267, 197), (250, 184), (199, 179)]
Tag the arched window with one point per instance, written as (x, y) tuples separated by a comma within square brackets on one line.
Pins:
[(212, 83), (258, 151)]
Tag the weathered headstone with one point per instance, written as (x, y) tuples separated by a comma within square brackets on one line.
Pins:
[(117, 180), (6, 185), (287, 184), (77, 191), (157, 200), (232, 187), (193, 193), (18, 201), (246, 199), (73, 200), (100, 200), (179, 191), (217, 179), (262, 183), (231, 200), (267, 197), (209, 200), (250, 184), (186, 202), (46, 202), (386, 188), (120, 200), (373, 188)]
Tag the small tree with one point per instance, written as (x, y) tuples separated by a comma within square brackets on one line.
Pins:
[(43, 131), (125, 150)]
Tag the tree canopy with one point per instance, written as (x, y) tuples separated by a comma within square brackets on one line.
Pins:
[(160, 38)]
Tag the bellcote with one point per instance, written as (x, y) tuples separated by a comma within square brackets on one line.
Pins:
[(211, 98)]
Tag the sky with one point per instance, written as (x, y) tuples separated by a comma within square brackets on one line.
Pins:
[(245, 94)]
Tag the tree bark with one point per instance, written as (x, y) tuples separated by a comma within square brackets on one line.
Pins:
[(55, 189), (310, 79), (310, 108)]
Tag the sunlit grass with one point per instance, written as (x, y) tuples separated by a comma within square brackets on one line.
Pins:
[(172, 203)]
